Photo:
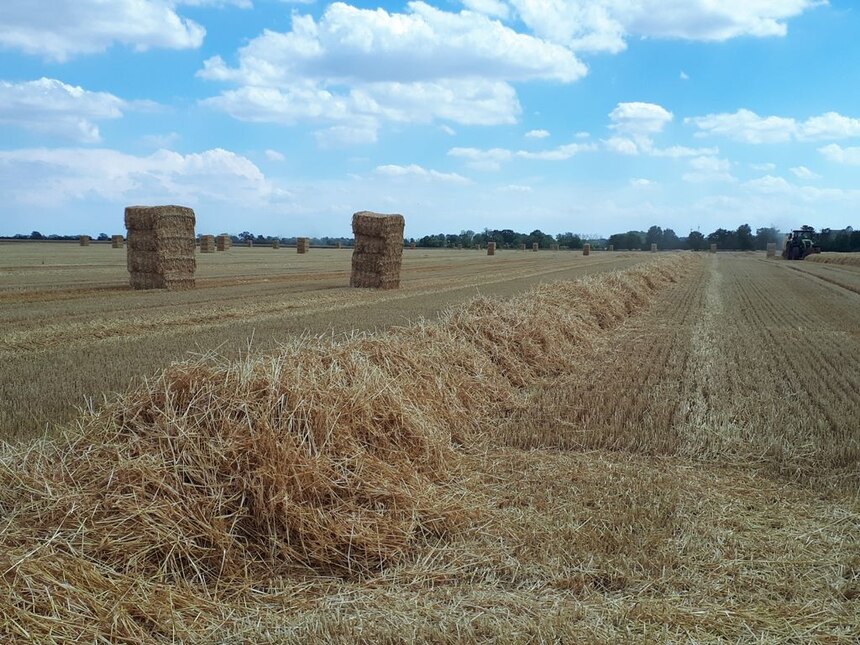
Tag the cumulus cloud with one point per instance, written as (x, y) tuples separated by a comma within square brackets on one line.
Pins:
[(420, 66), (763, 167), (61, 29), (641, 182), (605, 25), (482, 159), (849, 156), (802, 172), (59, 175), (49, 106), (274, 155), (561, 153), (748, 127), (537, 134), (414, 170), (494, 8), (639, 118), (515, 188)]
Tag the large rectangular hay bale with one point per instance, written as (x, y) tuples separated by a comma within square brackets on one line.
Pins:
[(535, 246), (771, 249), (85, 240), (303, 244), (207, 244), (611, 247), (491, 248), (653, 247), (276, 244), (161, 245), (223, 242), (117, 241), (586, 249), (378, 251), (713, 248)]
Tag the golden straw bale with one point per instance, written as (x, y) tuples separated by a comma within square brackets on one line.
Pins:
[(491, 248), (586, 249), (161, 247), (117, 241), (378, 251)]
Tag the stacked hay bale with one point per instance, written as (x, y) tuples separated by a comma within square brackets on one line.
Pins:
[(412, 246), (303, 244), (249, 243), (207, 243), (611, 247), (378, 250), (713, 248), (85, 240), (771, 249), (535, 247), (491, 248), (653, 247), (161, 247), (553, 247), (276, 244), (586, 249), (223, 242), (117, 241)]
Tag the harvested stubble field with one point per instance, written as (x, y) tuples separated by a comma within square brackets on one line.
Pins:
[(663, 454), (851, 259)]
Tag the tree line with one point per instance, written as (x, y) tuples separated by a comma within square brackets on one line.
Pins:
[(740, 239)]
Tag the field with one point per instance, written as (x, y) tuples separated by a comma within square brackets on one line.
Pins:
[(658, 449)]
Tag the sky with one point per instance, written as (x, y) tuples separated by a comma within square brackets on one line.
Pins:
[(283, 118)]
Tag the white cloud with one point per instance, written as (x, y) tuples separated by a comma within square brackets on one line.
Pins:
[(604, 25), (414, 170), (60, 29), (414, 67), (515, 188), (748, 127), (621, 145), (160, 140), (768, 185), (802, 172), (639, 118), (763, 167), (482, 159), (561, 153), (537, 134), (56, 176), (51, 107), (709, 169), (447, 129), (678, 152), (849, 156), (494, 8), (340, 136), (640, 182), (583, 135), (274, 155), (684, 76)]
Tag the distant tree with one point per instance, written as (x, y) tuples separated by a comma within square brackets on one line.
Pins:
[(36, 235), (245, 236), (653, 236), (669, 240), (103, 237), (695, 241), (744, 238), (765, 236)]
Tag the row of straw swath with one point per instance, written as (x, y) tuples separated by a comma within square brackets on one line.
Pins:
[(338, 456), (845, 259)]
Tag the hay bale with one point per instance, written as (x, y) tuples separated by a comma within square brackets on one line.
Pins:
[(276, 244), (412, 246), (85, 240), (713, 248), (223, 242), (339, 246), (207, 243), (522, 247), (117, 241), (611, 247), (653, 248), (378, 251), (491, 248), (249, 243), (535, 247), (303, 244), (586, 249), (161, 247), (771, 249), (553, 247)]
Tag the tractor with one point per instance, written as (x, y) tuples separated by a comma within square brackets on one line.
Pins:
[(799, 244)]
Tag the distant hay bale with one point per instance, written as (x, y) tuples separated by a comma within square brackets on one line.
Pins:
[(117, 241), (412, 246), (249, 243), (553, 247), (161, 247), (535, 246), (586, 249), (491, 248), (522, 247), (653, 248), (339, 245), (611, 247), (207, 243), (378, 251), (223, 242), (714, 248), (276, 244), (303, 244), (771, 249), (85, 240)]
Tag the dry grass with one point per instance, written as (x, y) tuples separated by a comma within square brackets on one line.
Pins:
[(330, 458), (847, 259)]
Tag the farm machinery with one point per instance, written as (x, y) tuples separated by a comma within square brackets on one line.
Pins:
[(799, 244)]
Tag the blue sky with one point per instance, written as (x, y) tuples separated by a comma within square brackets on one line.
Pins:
[(283, 118)]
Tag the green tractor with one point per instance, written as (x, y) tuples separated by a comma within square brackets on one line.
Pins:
[(799, 244)]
